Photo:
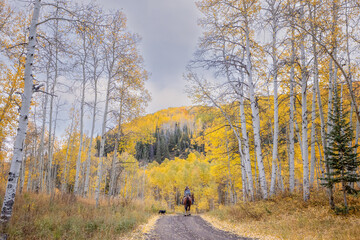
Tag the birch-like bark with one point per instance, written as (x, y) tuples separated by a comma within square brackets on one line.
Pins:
[(243, 140), (114, 160), (321, 113), (313, 108), (291, 121), (9, 198), (51, 139), (117, 139), (31, 166), (243, 180), (50, 155), (230, 187), (22, 170), (78, 162), (63, 176), (255, 113), (102, 142), (236, 133), (54, 169), (349, 70), (246, 147), (304, 121), (312, 154), (40, 179), (348, 58), (88, 160), (276, 107)]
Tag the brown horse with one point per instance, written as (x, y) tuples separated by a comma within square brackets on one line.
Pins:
[(187, 204)]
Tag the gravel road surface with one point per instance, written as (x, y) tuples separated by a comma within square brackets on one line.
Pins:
[(178, 227)]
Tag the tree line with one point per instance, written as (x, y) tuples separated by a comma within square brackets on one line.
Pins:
[(58, 54), (296, 54)]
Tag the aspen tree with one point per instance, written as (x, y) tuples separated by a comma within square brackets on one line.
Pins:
[(96, 56), (9, 199), (314, 91), (112, 50), (274, 10), (304, 121), (83, 58), (291, 120), (253, 99)]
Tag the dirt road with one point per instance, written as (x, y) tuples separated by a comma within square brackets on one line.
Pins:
[(178, 227)]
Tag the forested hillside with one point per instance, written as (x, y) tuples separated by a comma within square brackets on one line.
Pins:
[(169, 133)]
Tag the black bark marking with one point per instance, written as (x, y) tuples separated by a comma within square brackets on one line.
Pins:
[(11, 176)]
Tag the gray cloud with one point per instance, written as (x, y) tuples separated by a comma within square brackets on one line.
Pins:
[(169, 34)]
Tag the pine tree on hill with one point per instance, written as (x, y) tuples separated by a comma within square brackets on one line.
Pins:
[(341, 152), (158, 147)]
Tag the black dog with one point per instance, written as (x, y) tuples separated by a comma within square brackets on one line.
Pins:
[(162, 211)]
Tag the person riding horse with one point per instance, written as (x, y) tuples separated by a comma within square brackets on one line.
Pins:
[(188, 193), (188, 200)]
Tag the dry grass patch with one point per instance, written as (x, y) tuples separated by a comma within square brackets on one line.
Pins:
[(67, 217), (288, 217)]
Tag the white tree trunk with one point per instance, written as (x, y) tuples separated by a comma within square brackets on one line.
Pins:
[(102, 142), (10, 193), (291, 121), (304, 122), (30, 169), (246, 147), (22, 170), (78, 162), (54, 169), (230, 183), (88, 161), (51, 176), (63, 177), (276, 112), (313, 108), (113, 163), (312, 154), (50, 154), (237, 135), (256, 117), (40, 183)]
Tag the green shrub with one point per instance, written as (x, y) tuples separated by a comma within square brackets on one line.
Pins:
[(125, 225)]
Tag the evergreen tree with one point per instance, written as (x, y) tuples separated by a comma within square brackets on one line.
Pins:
[(158, 147), (341, 153), (138, 150)]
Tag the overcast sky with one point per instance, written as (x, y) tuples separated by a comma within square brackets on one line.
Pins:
[(169, 34)]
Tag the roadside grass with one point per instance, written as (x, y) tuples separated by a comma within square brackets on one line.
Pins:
[(67, 217), (288, 217)]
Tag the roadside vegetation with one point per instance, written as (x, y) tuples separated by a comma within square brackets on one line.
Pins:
[(69, 217), (287, 216)]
